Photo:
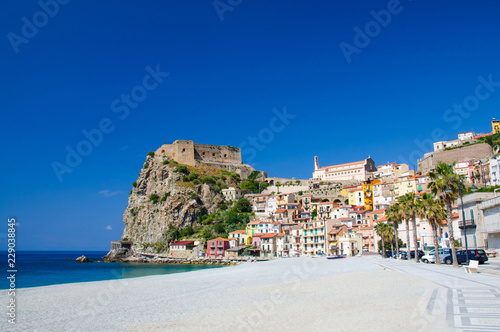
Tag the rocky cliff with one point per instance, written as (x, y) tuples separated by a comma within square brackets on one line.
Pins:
[(163, 196)]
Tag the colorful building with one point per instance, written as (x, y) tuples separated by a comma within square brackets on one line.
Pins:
[(216, 248), (240, 236)]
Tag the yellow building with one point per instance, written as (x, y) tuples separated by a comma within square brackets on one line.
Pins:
[(239, 235), (251, 229), (346, 190), (356, 197), (495, 125), (368, 194)]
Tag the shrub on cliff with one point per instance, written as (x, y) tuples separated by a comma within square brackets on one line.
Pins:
[(187, 231), (151, 154), (182, 169), (253, 175), (164, 198), (209, 180), (154, 198), (192, 176)]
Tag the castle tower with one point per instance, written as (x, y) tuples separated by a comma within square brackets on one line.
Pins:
[(316, 164)]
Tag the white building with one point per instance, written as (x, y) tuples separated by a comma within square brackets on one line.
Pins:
[(466, 136), (390, 171), (495, 171), (359, 170), (490, 213), (232, 194), (271, 205), (438, 146), (351, 243)]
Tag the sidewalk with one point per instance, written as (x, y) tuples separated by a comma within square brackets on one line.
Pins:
[(470, 302)]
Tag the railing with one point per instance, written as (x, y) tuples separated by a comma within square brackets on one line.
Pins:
[(468, 224)]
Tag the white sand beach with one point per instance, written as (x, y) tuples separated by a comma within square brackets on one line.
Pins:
[(293, 294)]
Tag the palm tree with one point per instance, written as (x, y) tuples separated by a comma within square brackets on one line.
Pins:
[(385, 233), (408, 203), (443, 177), (395, 216), (436, 214), (389, 236)]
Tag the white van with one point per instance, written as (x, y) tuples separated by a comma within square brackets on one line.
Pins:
[(431, 256)]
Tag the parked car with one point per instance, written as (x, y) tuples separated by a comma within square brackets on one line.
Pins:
[(431, 256), (388, 254), (477, 255), (474, 254), (404, 254)]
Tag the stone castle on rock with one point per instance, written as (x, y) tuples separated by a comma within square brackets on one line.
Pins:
[(194, 154)]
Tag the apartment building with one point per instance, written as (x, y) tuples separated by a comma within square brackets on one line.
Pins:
[(315, 236)]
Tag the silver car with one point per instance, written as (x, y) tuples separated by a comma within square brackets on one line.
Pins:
[(431, 256)]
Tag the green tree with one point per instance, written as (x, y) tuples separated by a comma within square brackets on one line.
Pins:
[(242, 205), (250, 186), (444, 177), (409, 203), (435, 213), (219, 228), (386, 235), (314, 214), (253, 175), (187, 231), (395, 215)]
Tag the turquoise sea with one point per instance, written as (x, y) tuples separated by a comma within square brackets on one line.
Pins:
[(42, 268)]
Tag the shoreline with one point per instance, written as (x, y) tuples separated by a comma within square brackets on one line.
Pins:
[(293, 294)]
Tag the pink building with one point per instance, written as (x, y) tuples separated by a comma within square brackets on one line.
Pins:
[(256, 239), (217, 247)]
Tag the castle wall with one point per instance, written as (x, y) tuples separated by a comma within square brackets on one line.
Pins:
[(473, 152), (217, 154), (193, 154)]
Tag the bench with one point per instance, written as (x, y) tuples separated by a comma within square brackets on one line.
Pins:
[(472, 267)]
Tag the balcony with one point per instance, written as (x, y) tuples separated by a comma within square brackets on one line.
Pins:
[(469, 224)]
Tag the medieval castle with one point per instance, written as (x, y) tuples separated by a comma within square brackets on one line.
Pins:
[(193, 154)]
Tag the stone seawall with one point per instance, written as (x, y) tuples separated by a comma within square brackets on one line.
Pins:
[(138, 257)]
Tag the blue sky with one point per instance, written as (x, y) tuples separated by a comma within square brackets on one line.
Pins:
[(225, 78)]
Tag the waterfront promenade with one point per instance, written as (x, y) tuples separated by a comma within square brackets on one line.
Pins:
[(292, 294), (470, 302)]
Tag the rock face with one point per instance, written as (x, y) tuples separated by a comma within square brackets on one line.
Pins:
[(118, 255), (174, 202), (83, 259)]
